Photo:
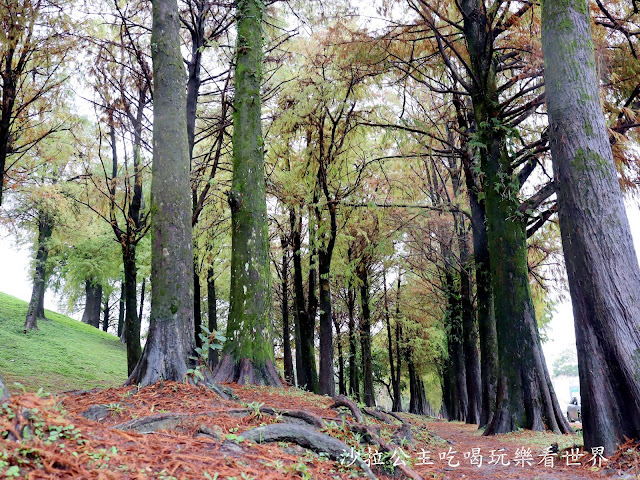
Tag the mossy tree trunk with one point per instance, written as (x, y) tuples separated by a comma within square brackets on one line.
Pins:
[(525, 396), (171, 332), (602, 266), (248, 352), (36, 304)]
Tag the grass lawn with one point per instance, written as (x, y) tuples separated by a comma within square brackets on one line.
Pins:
[(63, 355)]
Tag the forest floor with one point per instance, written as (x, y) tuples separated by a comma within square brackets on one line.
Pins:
[(179, 431)]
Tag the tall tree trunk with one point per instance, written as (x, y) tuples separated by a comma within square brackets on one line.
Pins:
[(602, 266), (286, 335), (248, 352), (326, 381), (525, 396), (354, 387), (36, 305), (417, 398), (342, 389), (470, 333), (171, 339), (106, 315), (93, 303), (121, 304), (132, 320), (395, 381), (306, 367), (212, 311), (365, 335), (484, 294), (456, 372), (197, 307), (142, 292), (397, 407)]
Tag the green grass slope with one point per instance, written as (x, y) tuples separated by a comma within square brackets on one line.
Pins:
[(63, 355)]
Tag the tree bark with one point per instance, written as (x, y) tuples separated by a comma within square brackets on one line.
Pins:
[(121, 304), (132, 320), (306, 368), (365, 335), (197, 307), (525, 396), (171, 339), (36, 305), (484, 294), (342, 389), (212, 311), (326, 381), (248, 352), (106, 314), (395, 381), (286, 335), (470, 333), (354, 386), (93, 302), (602, 267)]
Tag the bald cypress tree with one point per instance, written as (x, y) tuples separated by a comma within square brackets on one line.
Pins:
[(248, 352), (602, 267), (171, 332)]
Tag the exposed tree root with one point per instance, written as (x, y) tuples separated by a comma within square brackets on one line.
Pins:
[(306, 437), (307, 417), (245, 372), (153, 423), (372, 438), (383, 417), (342, 401)]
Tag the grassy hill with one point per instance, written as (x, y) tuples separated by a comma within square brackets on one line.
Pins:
[(63, 355)]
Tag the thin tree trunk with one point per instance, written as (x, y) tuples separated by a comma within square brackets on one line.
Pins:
[(132, 320), (470, 332), (342, 389), (36, 305), (326, 381), (354, 387), (142, 292), (306, 368), (286, 335), (365, 336), (106, 314), (197, 307), (248, 352), (398, 406), (602, 265), (170, 340), (395, 382), (121, 304), (212, 311)]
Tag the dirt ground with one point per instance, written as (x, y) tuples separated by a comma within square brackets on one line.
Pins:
[(172, 431)]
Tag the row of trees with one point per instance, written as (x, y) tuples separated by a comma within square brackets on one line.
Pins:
[(402, 197)]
